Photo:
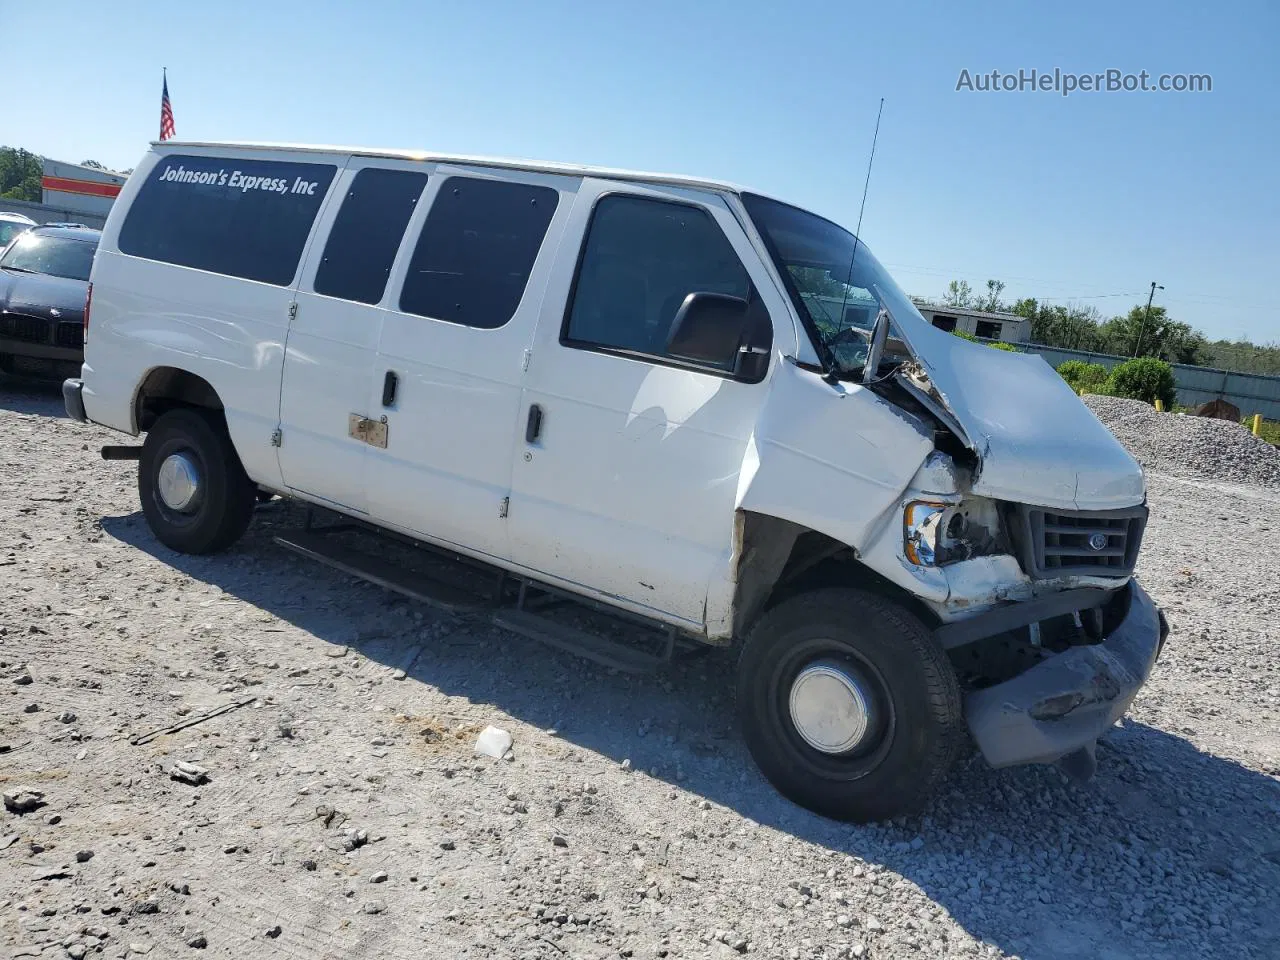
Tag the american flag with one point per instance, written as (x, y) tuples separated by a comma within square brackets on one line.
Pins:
[(166, 112)]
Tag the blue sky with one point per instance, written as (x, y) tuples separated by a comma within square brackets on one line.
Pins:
[(1083, 197)]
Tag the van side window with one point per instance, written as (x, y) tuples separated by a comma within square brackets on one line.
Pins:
[(366, 234), (476, 251), (241, 218), (641, 259)]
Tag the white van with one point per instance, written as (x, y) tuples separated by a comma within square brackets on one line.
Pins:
[(700, 408)]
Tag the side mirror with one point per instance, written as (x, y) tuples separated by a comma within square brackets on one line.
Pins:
[(716, 329)]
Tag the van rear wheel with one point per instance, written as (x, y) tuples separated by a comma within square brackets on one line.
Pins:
[(848, 705), (194, 492)]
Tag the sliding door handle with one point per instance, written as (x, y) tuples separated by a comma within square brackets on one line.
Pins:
[(389, 384), (533, 427)]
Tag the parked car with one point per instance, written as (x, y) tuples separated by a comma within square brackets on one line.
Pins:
[(12, 224), (623, 388), (44, 282)]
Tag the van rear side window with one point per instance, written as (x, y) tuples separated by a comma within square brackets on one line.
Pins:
[(367, 232), (241, 218), (476, 251)]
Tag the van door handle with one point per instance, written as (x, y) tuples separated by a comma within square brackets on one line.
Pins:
[(389, 384), (533, 428)]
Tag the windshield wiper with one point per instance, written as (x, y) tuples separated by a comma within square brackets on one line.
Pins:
[(19, 269)]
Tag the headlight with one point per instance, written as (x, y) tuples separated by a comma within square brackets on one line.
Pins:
[(935, 534), (923, 523)]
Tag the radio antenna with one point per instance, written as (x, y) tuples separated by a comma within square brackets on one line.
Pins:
[(861, 209)]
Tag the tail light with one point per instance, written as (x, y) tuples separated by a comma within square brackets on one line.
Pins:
[(88, 302)]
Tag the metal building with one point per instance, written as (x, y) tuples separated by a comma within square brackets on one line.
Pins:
[(80, 190)]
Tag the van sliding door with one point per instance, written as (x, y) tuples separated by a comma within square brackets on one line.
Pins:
[(452, 352), (329, 419)]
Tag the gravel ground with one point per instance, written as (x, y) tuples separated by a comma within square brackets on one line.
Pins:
[(1186, 446), (345, 815)]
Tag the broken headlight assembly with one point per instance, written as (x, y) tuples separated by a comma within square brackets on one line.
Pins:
[(935, 533)]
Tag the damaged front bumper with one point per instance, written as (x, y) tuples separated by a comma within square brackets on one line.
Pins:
[(1058, 708)]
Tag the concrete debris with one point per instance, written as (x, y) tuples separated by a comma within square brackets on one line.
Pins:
[(23, 800), (493, 742), (191, 773)]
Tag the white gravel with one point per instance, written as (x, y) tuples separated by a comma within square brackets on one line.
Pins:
[(1187, 446), (346, 815)]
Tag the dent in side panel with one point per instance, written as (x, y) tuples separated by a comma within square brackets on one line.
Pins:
[(833, 459)]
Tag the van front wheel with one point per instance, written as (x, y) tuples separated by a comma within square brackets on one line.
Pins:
[(194, 492), (848, 705)]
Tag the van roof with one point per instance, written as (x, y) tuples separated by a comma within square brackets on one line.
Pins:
[(537, 166)]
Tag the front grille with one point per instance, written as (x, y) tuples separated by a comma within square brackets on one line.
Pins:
[(20, 326), (70, 335), (1101, 543)]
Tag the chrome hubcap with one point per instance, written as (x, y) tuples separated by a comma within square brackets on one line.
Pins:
[(178, 482), (829, 707)]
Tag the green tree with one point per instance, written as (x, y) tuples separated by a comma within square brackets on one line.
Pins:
[(1243, 356), (817, 280), (1055, 325), (990, 301), (959, 294), (20, 173), (1083, 376), (1144, 378), (1157, 335)]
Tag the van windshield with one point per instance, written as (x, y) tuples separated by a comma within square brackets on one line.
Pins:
[(838, 305)]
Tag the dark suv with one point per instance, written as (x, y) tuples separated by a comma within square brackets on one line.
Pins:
[(44, 281)]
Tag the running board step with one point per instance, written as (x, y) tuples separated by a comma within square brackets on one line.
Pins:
[(390, 576), (592, 646)]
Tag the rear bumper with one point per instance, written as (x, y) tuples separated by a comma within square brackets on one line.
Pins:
[(1065, 703), (73, 399)]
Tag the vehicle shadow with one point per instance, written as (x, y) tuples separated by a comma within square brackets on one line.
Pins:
[(40, 397), (1169, 852)]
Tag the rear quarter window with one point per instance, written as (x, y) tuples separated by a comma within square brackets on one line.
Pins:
[(242, 218)]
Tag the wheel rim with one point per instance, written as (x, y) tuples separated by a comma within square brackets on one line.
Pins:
[(832, 673), (830, 707), (178, 482)]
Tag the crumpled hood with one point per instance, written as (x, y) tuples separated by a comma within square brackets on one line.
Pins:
[(37, 294), (1036, 440)]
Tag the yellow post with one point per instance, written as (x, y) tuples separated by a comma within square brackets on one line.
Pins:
[(1257, 424), (1159, 405)]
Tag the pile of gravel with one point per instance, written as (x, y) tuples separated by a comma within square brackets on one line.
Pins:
[(1188, 446)]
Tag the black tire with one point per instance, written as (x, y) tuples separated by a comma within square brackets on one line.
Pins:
[(221, 511), (915, 726)]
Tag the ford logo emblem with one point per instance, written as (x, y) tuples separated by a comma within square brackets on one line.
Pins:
[(1098, 541)]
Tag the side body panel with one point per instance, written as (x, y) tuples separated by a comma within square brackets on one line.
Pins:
[(328, 375), (227, 330), (629, 490), (452, 429)]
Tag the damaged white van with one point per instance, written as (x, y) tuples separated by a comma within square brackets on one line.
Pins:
[(706, 411)]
